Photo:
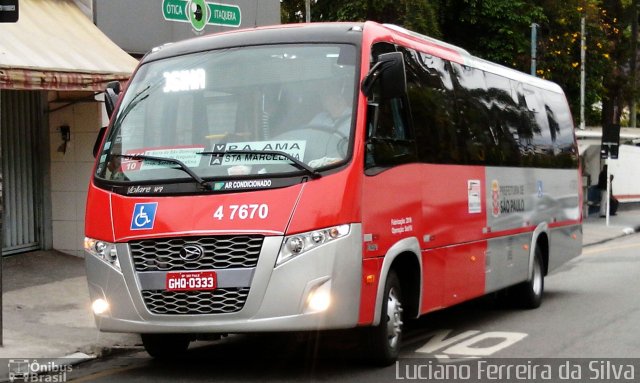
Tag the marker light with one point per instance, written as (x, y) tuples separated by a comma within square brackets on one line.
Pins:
[(297, 244), (320, 298), (100, 306)]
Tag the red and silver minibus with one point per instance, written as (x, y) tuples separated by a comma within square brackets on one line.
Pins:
[(324, 176)]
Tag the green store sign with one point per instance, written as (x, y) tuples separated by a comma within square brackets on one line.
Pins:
[(200, 13)]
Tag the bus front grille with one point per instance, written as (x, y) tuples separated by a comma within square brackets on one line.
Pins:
[(219, 301), (219, 252)]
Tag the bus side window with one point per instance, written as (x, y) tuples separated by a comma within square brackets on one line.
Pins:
[(504, 116), (473, 102), (390, 141), (430, 93), (561, 126), (542, 139)]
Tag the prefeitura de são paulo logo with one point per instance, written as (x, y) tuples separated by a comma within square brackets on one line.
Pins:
[(495, 198)]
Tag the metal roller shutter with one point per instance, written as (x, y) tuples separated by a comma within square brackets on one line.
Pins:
[(21, 117)]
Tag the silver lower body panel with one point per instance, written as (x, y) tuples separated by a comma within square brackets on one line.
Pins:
[(276, 300)]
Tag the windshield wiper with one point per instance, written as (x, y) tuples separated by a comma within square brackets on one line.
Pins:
[(160, 160), (297, 163), (139, 97)]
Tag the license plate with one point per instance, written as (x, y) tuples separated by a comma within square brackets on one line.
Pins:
[(191, 281)]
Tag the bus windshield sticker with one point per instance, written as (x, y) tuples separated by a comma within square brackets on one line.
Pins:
[(242, 185), (473, 189), (294, 148), (187, 155), (184, 80)]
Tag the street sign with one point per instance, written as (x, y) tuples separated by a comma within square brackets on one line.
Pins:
[(201, 13), (175, 10), (610, 141), (9, 11), (224, 14)]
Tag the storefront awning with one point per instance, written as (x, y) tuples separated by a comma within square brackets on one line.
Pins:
[(54, 46)]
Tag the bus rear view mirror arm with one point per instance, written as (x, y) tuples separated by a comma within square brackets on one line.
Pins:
[(110, 99), (111, 96), (111, 93), (389, 70)]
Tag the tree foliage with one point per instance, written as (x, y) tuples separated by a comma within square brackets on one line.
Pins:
[(417, 15), (292, 11), (607, 54), (559, 49), (497, 30), (500, 30)]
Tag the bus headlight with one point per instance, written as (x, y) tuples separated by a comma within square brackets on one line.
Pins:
[(297, 244), (105, 251)]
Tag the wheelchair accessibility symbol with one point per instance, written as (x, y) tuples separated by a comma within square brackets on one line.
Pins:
[(144, 215)]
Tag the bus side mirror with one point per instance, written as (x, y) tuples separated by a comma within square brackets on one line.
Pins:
[(111, 97), (389, 70)]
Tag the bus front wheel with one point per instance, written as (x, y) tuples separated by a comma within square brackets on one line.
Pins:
[(385, 339)]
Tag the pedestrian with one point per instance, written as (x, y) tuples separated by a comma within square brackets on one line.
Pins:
[(612, 201)]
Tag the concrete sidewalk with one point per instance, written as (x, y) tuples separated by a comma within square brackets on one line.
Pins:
[(625, 222), (47, 311), (47, 315)]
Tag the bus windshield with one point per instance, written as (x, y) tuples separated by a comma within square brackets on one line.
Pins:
[(248, 111)]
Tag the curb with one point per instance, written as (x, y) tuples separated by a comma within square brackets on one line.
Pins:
[(625, 232)]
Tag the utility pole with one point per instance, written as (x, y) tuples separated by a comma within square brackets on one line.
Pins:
[(534, 43), (633, 64), (307, 11), (583, 69), (1, 223)]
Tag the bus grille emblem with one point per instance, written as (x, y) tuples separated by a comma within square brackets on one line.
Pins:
[(191, 252)]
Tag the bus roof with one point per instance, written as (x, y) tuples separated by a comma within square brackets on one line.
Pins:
[(479, 63), (350, 33), (340, 32)]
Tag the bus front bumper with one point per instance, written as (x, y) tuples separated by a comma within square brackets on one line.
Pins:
[(278, 298)]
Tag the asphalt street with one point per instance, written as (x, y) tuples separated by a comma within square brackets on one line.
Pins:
[(589, 316)]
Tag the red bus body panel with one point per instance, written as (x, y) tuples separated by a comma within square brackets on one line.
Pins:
[(424, 202)]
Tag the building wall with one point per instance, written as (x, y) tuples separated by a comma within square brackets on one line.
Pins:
[(71, 170), (137, 26)]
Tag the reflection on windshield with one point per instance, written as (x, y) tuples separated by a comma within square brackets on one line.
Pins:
[(254, 111)]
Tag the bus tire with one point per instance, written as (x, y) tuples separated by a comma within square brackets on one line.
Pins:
[(162, 346), (528, 294), (385, 339)]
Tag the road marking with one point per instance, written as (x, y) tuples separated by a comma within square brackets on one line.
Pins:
[(609, 248), (104, 374), (438, 340), (469, 344), (481, 345)]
